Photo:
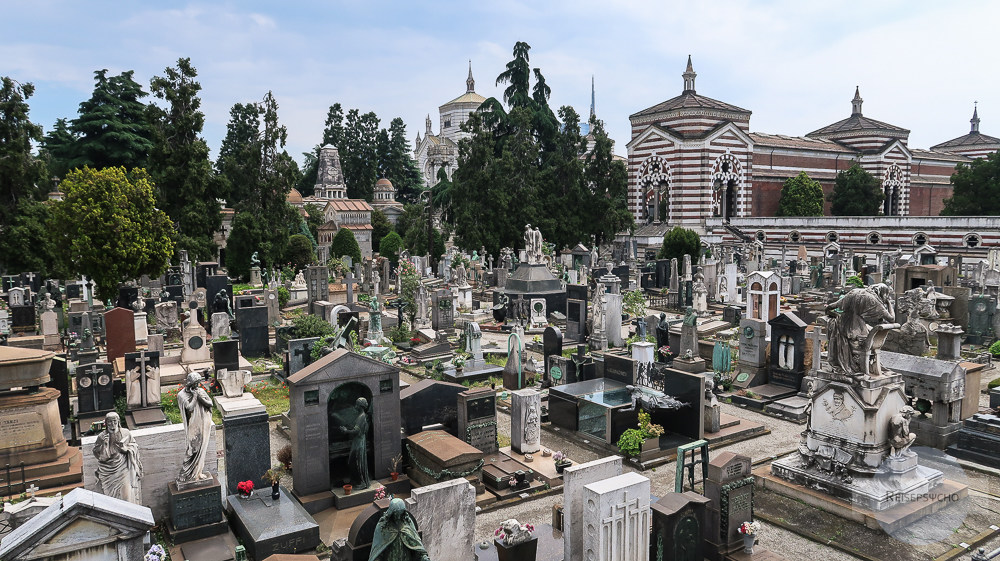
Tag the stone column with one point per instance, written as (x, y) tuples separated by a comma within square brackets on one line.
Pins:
[(525, 421)]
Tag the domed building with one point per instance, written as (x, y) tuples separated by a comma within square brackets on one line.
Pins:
[(384, 199), (434, 152)]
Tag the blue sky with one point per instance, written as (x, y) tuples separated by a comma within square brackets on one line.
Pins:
[(920, 65)]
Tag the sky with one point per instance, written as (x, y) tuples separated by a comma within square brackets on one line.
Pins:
[(919, 64)]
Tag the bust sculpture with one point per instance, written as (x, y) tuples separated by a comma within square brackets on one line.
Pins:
[(196, 412), (48, 304), (119, 470), (396, 537)]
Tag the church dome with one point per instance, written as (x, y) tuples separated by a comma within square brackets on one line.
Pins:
[(383, 184), (294, 197)]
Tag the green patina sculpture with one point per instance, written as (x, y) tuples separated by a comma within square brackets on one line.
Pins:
[(396, 537), (358, 458)]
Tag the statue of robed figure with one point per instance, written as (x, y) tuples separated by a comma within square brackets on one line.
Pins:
[(119, 469), (196, 413), (396, 537), (358, 457)]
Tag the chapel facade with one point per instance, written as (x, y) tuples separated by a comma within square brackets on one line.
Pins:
[(434, 152)]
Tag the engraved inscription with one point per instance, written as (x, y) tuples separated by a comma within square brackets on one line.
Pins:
[(22, 429)]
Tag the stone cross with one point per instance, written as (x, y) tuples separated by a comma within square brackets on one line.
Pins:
[(31, 490), (349, 279), (141, 362), (817, 350), (94, 370)]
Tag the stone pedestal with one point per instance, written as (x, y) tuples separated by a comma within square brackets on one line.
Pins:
[(695, 365), (643, 352), (255, 278), (246, 436), (141, 328), (525, 421), (195, 512), (272, 527)]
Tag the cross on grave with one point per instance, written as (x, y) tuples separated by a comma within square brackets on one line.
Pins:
[(143, 376), (93, 371), (349, 278), (31, 278), (817, 349), (624, 515), (31, 490), (305, 352)]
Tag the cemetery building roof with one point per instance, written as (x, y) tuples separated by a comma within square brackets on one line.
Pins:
[(858, 122), (972, 139), (294, 197), (338, 355), (784, 141), (350, 205)]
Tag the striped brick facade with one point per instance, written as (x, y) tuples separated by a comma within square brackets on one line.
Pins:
[(699, 155)]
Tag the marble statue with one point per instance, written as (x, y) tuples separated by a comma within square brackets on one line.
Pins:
[(853, 316), (532, 245), (459, 275), (47, 303), (119, 469), (300, 280), (196, 412), (396, 537), (900, 437), (358, 457), (599, 311), (221, 304)]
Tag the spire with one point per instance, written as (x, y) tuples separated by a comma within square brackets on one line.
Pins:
[(427, 124), (975, 117), (856, 102), (593, 111), (689, 76), (470, 83)]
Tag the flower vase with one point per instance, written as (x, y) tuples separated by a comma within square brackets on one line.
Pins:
[(748, 541), (348, 489), (275, 491), (246, 496)]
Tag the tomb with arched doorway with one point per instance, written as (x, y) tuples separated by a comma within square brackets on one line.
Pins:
[(344, 420)]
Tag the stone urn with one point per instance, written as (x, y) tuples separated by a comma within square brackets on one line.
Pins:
[(748, 541)]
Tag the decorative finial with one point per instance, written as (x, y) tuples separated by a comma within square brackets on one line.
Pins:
[(975, 116), (593, 107), (689, 76), (856, 102), (470, 83)]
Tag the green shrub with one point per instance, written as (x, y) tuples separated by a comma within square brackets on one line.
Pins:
[(343, 244), (995, 349), (994, 383), (630, 442), (855, 281), (310, 326), (283, 296)]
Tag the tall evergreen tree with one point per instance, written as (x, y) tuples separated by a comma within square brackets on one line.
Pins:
[(260, 174), (401, 168), (975, 188), (22, 175), (333, 134), (187, 187), (359, 154), (607, 180), (57, 148), (112, 124)]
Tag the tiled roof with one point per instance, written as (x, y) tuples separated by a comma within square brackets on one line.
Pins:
[(856, 122), (969, 140), (783, 141), (350, 205), (358, 226), (468, 97), (933, 154), (689, 101)]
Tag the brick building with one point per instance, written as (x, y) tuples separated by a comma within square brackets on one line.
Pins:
[(693, 158)]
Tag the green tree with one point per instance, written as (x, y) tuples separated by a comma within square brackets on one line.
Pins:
[(975, 188), (344, 243), (390, 247), (57, 148), (112, 125), (315, 219), (399, 165), (299, 252), (333, 134), (856, 193), (22, 175), (607, 180), (260, 174), (380, 224), (801, 196), (188, 187), (27, 244), (108, 227), (679, 242), (358, 154)]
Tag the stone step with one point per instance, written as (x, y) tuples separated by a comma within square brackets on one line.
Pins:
[(62, 475)]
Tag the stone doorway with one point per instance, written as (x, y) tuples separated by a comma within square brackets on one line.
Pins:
[(341, 412)]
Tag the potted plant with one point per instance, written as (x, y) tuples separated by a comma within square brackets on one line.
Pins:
[(245, 489), (514, 541), (273, 476), (348, 488), (561, 461), (749, 531), (394, 466), (459, 363)]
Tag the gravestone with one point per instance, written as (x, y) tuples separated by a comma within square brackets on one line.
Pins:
[(74, 291), (753, 352), (525, 421), (788, 350), (576, 319), (982, 308), (220, 325), (317, 285), (300, 353), (226, 355), (730, 488), (430, 404), (205, 269), (443, 312), (213, 285), (477, 419), (252, 325), (246, 436), (272, 304), (195, 339), (446, 516), (48, 324), (59, 380), (120, 338), (142, 389), (273, 529), (95, 389), (22, 319), (575, 478), (679, 521), (617, 509), (552, 341), (126, 295)]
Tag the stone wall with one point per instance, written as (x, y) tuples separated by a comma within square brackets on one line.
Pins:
[(161, 450)]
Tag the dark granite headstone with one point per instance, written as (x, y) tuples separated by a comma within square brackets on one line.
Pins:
[(205, 269), (59, 379), (95, 388), (429, 402), (248, 447), (443, 312), (22, 319), (344, 317), (300, 354), (226, 354), (120, 337), (10, 281), (477, 419), (552, 342), (252, 325), (788, 350), (678, 527), (126, 295), (268, 527), (729, 487), (196, 512), (982, 308), (576, 319), (32, 280), (74, 291), (620, 369)]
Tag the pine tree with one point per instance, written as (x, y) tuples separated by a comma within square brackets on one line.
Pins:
[(112, 125), (57, 148), (22, 175), (187, 186)]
